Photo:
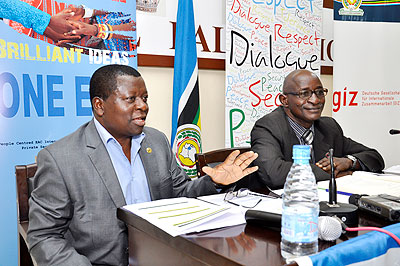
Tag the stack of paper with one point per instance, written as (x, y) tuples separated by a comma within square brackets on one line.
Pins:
[(179, 216), (184, 215), (366, 183)]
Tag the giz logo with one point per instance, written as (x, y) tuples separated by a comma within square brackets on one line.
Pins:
[(349, 99)]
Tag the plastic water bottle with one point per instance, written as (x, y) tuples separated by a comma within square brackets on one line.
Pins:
[(300, 208)]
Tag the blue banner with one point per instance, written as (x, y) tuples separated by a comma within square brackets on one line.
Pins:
[(367, 10), (44, 88), (373, 248)]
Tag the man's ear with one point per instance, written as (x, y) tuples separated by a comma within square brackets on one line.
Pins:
[(98, 106), (283, 99)]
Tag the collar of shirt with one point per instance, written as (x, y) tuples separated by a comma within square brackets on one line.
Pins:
[(299, 129), (131, 174), (106, 136)]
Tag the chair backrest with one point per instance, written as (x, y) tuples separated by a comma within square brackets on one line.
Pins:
[(23, 173), (213, 158)]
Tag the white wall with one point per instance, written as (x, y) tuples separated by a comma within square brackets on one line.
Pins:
[(212, 102)]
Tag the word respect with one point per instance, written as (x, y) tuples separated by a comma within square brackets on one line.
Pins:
[(295, 38)]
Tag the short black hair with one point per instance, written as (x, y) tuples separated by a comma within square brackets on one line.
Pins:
[(103, 81)]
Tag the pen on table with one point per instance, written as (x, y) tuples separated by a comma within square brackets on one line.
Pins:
[(341, 192)]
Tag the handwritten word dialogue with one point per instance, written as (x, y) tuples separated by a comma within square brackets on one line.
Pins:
[(240, 77), (247, 15), (23, 51), (235, 21), (242, 138), (241, 51)]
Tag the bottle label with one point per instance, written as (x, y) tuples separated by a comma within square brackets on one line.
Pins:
[(300, 227)]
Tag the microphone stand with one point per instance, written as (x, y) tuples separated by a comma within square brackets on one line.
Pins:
[(332, 181), (347, 213)]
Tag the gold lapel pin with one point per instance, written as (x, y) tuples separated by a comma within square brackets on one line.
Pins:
[(149, 150)]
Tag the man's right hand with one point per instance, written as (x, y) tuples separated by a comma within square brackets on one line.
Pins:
[(342, 165)]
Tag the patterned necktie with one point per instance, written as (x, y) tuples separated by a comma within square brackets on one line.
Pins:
[(308, 138)]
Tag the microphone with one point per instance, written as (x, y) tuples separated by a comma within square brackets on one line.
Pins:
[(394, 131), (346, 212), (268, 219), (329, 228)]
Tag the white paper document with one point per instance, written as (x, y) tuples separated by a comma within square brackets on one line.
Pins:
[(394, 170), (270, 205), (182, 215), (179, 216), (259, 201), (361, 182)]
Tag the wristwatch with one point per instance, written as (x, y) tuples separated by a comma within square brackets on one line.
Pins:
[(354, 159)]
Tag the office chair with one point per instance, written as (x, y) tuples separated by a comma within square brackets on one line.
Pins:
[(213, 158), (23, 173)]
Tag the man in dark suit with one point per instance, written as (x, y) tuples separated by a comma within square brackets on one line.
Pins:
[(109, 162), (298, 121)]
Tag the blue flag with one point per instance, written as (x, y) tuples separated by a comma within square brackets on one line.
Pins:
[(185, 136)]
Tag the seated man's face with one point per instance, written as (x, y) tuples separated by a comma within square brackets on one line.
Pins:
[(304, 110), (125, 110)]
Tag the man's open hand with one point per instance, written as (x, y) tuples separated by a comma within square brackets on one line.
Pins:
[(233, 168)]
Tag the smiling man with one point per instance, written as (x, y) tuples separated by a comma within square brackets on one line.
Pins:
[(109, 162), (298, 121)]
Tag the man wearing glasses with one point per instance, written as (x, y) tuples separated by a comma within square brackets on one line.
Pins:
[(298, 121)]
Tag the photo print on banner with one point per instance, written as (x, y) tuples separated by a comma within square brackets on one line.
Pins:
[(108, 37)]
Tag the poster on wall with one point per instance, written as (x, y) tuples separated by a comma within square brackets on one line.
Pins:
[(48, 51), (157, 26), (265, 40), (156, 30), (365, 76)]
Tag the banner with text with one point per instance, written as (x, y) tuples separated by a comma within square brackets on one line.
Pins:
[(265, 40), (44, 88), (156, 31), (366, 97)]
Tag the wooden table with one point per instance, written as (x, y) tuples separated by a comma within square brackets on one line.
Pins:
[(248, 244)]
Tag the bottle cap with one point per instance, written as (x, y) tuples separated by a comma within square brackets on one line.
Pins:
[(301, 152)]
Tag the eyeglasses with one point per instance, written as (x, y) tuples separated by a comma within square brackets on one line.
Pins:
[(306, 94), (241, 193)]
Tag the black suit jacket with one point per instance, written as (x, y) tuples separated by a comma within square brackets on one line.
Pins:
[(273, 138)]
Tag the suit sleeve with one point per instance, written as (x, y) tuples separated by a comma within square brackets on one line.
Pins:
[(273, 164), (50, 211), (369, 158)]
